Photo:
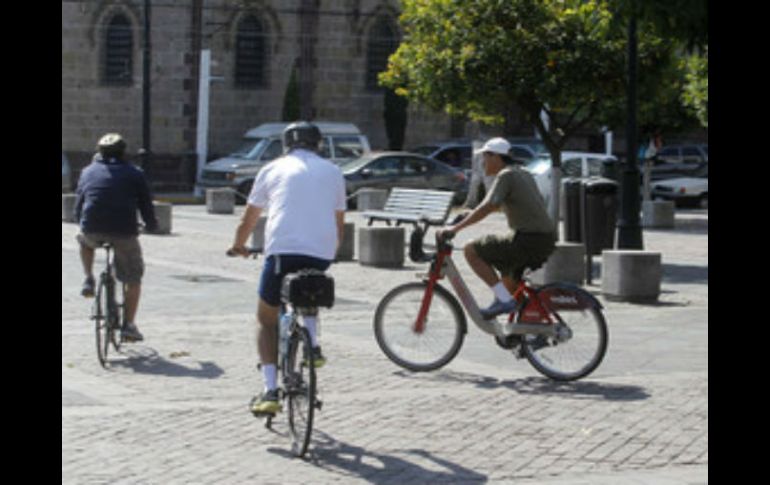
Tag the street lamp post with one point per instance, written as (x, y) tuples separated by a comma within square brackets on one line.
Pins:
[(629, 230)]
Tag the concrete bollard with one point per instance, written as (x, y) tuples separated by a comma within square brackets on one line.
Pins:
[(566, 264), (631, 275), (345, 253), (220, 201), (371, 199), (658, 214), (258, 236), (68, 207), (163, 212), (381, 246)]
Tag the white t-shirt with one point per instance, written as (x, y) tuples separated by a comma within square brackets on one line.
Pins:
[(301, 193)]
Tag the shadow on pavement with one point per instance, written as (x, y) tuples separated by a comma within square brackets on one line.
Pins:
[(354, 461), (145, 360), (683, 273), (539, 385)]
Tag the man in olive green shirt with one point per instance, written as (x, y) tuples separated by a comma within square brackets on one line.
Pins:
[(532, 238)]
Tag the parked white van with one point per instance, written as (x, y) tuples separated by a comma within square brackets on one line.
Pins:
[(341, 142)]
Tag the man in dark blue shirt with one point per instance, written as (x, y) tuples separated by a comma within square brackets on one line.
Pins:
[(109, 193)]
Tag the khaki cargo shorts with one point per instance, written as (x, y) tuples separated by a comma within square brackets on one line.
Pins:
[(129, 265), (512, 253)]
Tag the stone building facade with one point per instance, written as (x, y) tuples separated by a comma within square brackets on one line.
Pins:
[(332, 47)]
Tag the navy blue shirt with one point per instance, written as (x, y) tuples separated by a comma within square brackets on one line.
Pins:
[(108, 195)]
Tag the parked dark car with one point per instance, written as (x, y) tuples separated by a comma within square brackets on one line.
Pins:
[(385, 170)]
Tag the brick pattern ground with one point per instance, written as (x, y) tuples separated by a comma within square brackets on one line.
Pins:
[(173, 410)]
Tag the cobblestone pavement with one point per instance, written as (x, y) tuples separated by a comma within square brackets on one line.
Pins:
[(173, 409)]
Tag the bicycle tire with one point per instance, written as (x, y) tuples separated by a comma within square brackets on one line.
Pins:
[(300, 390), (101, 323), (581, 353), (437, 345)]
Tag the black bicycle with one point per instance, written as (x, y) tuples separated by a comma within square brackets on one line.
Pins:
[(302, 293), (108, 313)]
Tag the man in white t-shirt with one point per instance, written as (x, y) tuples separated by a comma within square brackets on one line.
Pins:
[(304, 195)]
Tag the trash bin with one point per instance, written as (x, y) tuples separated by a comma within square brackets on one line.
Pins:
[(601, 214), (610, 170), (571, 190)]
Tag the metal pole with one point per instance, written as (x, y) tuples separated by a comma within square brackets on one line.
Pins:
[(629, 230), (146, 157), (202, 142)]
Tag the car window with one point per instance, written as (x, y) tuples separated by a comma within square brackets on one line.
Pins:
[(249, 149), (415, 166), (571, 167), (347, 147), (385, 167), (273, 151), (450, 156), (668, 152)]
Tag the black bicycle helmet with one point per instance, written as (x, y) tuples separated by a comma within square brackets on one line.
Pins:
[(112, 145), (301, 134)]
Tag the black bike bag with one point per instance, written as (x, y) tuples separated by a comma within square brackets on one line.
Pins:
[(308, 288)]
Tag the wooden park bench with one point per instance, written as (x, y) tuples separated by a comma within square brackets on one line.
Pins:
[(428, 207)]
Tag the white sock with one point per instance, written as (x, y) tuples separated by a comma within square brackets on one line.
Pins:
[(312, 328), (501, 292), (269, 373)]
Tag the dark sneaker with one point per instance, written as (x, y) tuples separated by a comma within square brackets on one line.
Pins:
[(498, 308), (88, 288), (265, 404), (131, 334), (318, 359)]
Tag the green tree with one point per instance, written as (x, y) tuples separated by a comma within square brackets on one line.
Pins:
[(481, 58), (696, 91)]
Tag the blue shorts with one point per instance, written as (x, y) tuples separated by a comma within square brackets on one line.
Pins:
[(279, 265)]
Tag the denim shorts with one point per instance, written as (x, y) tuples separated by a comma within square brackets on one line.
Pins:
[(279, 265)]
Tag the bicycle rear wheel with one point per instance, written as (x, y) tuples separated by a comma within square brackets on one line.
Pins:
[(581, 340), (441, 338), (299, 381), (101, 323)]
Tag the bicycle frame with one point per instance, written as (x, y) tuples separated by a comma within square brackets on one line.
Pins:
[(532, 310)]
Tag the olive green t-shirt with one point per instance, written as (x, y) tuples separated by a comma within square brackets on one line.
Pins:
[(515, 192)]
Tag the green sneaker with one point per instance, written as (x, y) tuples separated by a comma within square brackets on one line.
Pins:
[(318, 358), (266, 404)]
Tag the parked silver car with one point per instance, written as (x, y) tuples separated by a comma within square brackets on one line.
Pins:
[(341, 142), (385, 170)]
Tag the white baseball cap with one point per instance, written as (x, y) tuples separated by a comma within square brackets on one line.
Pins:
[(495, 145)]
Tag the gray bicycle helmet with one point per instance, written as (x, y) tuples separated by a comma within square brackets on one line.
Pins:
[(301, 134), (112, 145)]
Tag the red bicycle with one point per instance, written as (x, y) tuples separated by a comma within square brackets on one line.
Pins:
[(420, 326)]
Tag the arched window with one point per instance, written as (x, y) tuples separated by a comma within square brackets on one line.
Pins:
[(251, 54), (382, 42), (119, 52)]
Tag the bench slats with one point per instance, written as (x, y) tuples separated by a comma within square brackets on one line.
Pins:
[(412, 205)]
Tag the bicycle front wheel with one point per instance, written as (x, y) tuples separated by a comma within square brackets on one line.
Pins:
[(300, 390), (581, 337), (440, 339), (99, 315)]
